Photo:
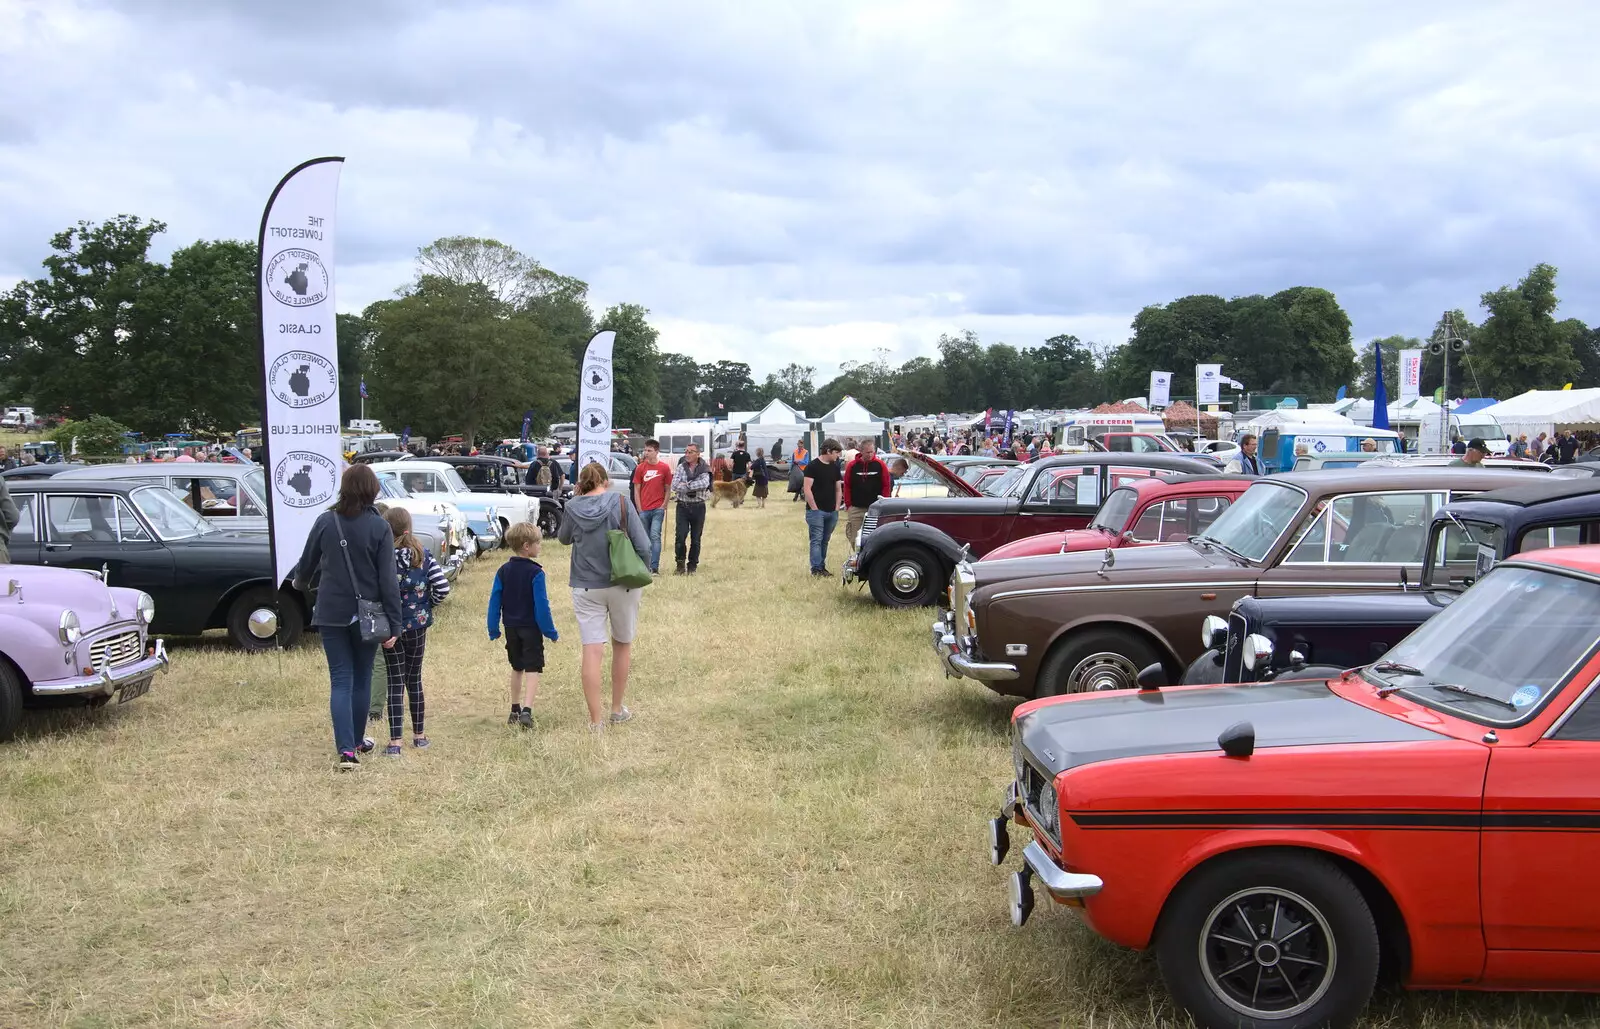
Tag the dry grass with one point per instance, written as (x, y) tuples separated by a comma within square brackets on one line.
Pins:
[(789, 834)]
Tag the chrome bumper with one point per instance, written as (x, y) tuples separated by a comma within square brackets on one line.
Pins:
[(848, 576), (1060, 884), (108, 680), (959, 664)]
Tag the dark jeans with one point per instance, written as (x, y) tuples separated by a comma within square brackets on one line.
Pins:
[(819, 526), (690, 522), (403, 663), (350, 678)]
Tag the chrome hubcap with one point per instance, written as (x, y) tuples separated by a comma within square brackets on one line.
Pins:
[(1267, 953), (1103, 671), (263, 623), (906, 577)]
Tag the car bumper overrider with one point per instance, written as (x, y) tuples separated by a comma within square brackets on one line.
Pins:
[(848, 576), (107, 681), (955, 655), (1037, 862)]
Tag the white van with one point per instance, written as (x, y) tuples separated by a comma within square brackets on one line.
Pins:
[(674, 437), (17, 418)]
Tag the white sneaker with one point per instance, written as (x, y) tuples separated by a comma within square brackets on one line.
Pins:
[(597, 728), (618, 717)]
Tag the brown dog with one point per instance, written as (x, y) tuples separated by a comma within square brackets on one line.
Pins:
[(734, 491)]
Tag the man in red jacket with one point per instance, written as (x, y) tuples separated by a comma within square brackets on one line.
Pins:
[(866, 478)]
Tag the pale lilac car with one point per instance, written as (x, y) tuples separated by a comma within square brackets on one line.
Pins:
[(65, 633)]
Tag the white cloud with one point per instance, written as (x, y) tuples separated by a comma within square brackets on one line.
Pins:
[(808, 181)]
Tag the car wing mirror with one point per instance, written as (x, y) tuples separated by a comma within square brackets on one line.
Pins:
[(1238, 740), (1152, 677)]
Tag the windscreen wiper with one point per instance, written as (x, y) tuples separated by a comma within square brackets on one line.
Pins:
[(1458, 524), (1396, 668), (1470, 692)]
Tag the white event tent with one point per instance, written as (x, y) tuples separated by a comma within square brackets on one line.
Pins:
[(849, 420), (1547, 410)]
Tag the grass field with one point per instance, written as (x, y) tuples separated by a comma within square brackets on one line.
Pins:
[(789, 834)]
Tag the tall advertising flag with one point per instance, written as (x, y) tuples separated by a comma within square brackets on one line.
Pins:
[(1160, 389), (299, 355), (1208, 383), (1010, 414), (527, 423), (1410, 374), (988, 418), (594, 403), (1380, 396)]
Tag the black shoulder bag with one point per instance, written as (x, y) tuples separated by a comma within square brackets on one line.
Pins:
[(371, 622)]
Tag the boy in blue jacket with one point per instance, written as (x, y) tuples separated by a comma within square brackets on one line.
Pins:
[(520, 598)]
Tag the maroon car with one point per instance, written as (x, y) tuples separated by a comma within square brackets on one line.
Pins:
[(1141, 513), (908, 547)]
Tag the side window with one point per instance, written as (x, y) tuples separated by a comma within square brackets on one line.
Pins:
[(1584, 721), (1455, 553), (1206, 510), (1148, 528), (81, 519), (420, 482), (24, 533), (1390, 528), (1313, 545), (221, 497), (1550, 536), (128, 525)]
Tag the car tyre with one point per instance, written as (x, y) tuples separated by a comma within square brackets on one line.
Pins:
[(291, 623), (906, 576), (1291, 927), (1098, 659), (549, 522), (11, 698)]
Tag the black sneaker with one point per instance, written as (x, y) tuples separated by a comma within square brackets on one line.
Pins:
[(825, 573), (691, 569), (367, 743), (516, 714), (678, 570), (526, 718), (348, 760)]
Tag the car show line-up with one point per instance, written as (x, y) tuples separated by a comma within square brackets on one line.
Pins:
[(1275, 843), (909, 546), (1039, 626)]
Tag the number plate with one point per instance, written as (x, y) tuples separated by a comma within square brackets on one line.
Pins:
[(135, 688)]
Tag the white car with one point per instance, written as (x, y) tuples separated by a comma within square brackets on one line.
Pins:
[(488, 515), (429, 513)]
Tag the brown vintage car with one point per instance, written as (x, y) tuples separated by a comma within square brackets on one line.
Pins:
[(1040, 626)]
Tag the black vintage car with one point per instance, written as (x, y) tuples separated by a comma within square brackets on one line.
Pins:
[(143, 537), (1266, 638), (485, 474)]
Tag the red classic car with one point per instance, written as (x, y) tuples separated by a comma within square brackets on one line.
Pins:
[(1436, 811), (1152, 511), (908, 547)]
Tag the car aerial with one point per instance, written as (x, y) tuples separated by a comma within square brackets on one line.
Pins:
[(506, 475), (488, 515), (1275, 843), (141, 536), (908, 546), (1038, 626), (1265, 638), (1140, 513), (65, 636)]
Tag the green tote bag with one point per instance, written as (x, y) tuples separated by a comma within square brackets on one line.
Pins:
[(627, 569)]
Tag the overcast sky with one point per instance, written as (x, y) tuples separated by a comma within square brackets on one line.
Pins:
[(807, 181)]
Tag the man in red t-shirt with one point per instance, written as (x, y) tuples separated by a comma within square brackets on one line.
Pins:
[(652, 478)]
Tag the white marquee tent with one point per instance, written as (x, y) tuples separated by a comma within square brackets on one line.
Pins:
[(850, 420), (1547, 410)]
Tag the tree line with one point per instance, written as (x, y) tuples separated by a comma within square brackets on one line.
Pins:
[(483, 334)]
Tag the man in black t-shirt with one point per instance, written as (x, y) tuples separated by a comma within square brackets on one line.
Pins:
[(741, 460), (821, 490)]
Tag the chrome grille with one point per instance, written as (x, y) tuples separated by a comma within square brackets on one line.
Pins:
[(114, 650), (1233, 656), (868, 523)]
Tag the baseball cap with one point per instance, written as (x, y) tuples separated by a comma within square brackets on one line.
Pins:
[(1477, 443)]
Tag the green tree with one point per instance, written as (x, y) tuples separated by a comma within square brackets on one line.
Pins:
[(1007, 379), (961, 363), (355, 345), (1321, 355), (794, 384), (920, 384), (95, 436), (1066, 374), (725, 386), (636, 397), (1586, 348), (69, 336), (1366, 373), (677, 377), (448, 357), (201, 367), (1519, 346)]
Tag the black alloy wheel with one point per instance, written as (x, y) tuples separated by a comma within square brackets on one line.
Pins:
[(1273, 938)]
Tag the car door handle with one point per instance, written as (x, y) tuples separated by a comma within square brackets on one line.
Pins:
[(58, 546)]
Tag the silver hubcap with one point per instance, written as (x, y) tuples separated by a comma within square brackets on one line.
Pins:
[(263, 623), (906, 577), (1267, 953), (1104, 671)]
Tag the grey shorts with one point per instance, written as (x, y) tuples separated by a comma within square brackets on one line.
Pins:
[(616, 604)]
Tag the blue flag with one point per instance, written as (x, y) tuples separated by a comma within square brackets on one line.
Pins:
[(527, 423), (1380, 396), (1009, 412), (363, 388), (405, 437), (1342, 391)]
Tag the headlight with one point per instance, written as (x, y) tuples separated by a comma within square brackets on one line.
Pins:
[(1209, 628), (1049, 809), (71, 630), (147, 608), (1016, 758), (1257, 651)]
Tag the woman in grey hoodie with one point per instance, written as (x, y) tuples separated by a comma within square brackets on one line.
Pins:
[(584, 523)]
